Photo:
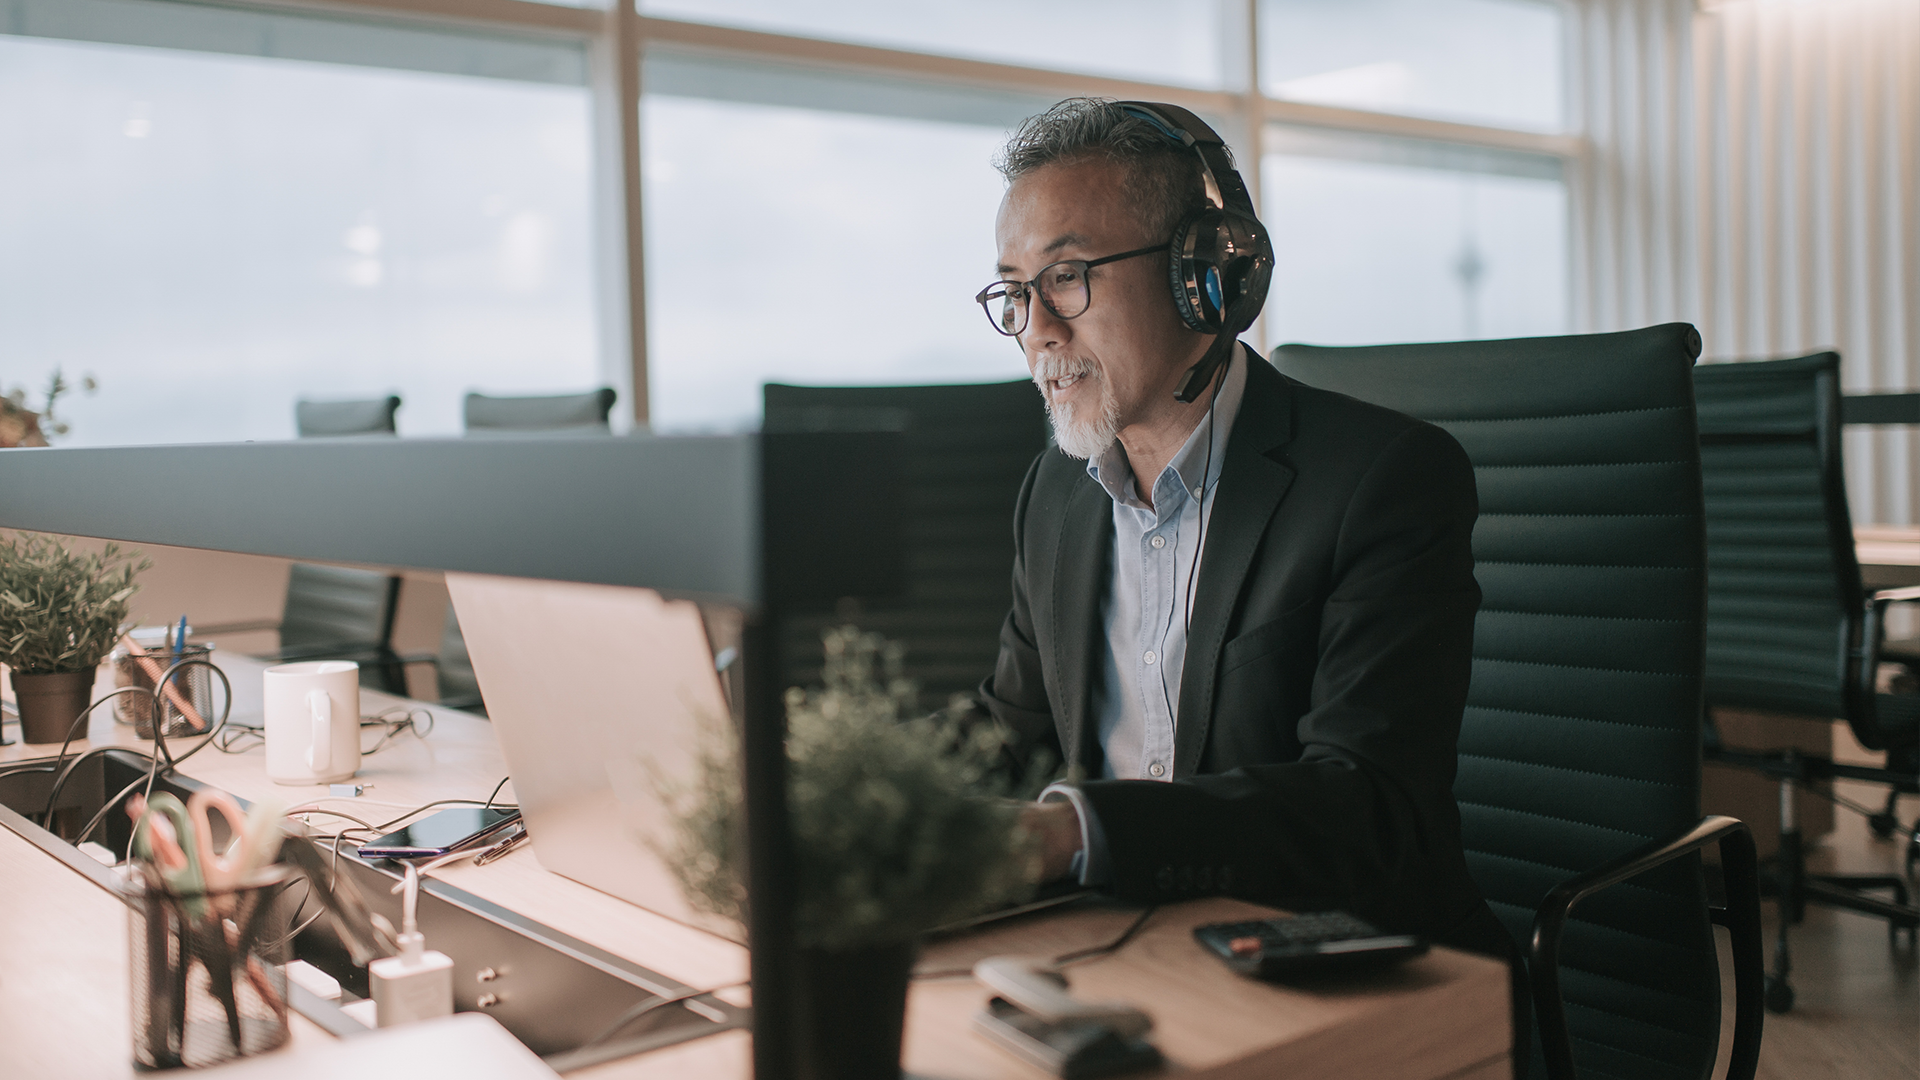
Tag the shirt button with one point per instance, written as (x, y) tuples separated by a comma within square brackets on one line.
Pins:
[(1149, 658), (1159, 541), (1157, 769), (1197, 491)]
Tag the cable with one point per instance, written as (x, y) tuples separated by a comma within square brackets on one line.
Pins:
[(1093, 952), (496, 791), (79, 725), (1097, 951), (1206, 474), (395, 722), (649, 1005), (409, 720)]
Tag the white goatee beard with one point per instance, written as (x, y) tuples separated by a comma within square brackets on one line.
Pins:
[(1077, 435)]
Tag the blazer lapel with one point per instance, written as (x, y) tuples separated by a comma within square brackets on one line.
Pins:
[(1080, 571), (1251, 486)]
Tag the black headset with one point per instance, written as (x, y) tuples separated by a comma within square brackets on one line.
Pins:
[(1222, 258)]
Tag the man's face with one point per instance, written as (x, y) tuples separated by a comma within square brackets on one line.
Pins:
[(1115, 365)]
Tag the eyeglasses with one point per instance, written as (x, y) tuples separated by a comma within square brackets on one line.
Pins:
[(1062, 287)]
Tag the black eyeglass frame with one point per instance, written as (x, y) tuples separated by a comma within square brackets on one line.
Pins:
[(1032, 288)]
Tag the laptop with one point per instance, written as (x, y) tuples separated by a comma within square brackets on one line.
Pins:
[(600, 697)]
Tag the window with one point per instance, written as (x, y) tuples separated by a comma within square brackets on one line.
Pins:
[(807, 245), (1380, 240), (1492, 62), (1165, 41), (213, 235), (217, 208)]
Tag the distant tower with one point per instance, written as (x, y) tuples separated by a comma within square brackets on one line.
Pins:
[(1469, 267)]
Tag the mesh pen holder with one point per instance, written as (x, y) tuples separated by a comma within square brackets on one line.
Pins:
[(185, 702), (209, 978)]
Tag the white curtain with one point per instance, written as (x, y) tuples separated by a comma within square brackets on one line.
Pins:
[(1631, 191), (1809, 196), (1753, 167)]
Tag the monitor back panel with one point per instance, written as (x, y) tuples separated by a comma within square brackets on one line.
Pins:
[(602, 698)]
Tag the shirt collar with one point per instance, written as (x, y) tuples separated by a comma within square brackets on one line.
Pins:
[(1183, 474)]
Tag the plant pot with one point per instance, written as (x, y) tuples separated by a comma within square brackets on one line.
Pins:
[(49, 704), (850, 1009)]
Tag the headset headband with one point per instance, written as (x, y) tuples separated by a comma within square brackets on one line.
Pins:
[(1222, 258), (1225, 189)]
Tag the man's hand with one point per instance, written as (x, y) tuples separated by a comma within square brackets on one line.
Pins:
[(1058, 828)]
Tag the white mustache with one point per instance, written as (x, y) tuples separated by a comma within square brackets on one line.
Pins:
[(1067, 369)]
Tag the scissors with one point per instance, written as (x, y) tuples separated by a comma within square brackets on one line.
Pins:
[(255, 839), (165, 838)]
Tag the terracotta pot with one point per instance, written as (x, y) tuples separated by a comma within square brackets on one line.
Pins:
[(850, 1010), (49, 704)]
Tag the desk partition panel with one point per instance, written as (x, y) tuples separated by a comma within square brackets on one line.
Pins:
[(768, 524)]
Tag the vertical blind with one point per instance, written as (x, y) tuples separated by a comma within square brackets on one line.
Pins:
[(1809, 194), (1753, 166)]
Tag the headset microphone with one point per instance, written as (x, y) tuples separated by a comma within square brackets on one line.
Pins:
[(1222, 258)]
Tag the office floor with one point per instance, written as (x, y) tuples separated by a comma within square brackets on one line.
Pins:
[(1857, 1007)]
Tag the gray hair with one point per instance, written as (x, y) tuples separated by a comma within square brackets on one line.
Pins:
[(1163, 179)]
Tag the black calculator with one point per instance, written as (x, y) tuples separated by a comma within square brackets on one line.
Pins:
[(1316, 943)]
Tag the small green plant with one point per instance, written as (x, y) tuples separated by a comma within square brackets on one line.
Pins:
[(21, 426), (899, 825), (60, 609)]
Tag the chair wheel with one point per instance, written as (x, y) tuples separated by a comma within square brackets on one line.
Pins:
[(1883, 824), (1779, 995)]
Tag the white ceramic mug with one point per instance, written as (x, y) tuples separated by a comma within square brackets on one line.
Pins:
[(313, 721)]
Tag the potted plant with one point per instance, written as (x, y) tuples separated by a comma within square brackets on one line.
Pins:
[(60, 615), (899, 826), (21, 426)]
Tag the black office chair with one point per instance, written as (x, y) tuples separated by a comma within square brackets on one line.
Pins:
[(1790, 630), (559, 414), (966, 449), (339, 612), (1580, 750), (342, 613), (453, 668), (373, 416)]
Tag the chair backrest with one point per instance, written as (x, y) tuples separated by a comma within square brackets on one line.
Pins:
[(1581, 737), (373, 416), (966, 449), (338, 607), (584, 414), (459, 688), (1784, 601)]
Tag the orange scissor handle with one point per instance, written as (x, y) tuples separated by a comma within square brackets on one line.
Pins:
[(221, 868)]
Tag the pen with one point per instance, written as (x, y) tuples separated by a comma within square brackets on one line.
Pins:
[(499, 850)]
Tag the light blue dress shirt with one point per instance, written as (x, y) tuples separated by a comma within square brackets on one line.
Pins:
[(1155, 556)]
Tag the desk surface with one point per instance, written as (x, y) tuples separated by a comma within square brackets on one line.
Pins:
[(1441, 1016)]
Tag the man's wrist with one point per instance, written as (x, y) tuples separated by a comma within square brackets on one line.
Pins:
[(1088, 861)]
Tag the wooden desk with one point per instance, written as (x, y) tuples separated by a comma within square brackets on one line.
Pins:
[(1444, 1016), (1889, 555)]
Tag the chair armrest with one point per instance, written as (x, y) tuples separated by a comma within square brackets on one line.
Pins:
[(1742, 919)]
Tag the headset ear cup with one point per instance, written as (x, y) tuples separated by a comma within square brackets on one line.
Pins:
[(1178, 282), (1247, 270), (1201, 292)]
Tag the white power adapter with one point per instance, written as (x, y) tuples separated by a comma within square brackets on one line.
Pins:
[(417, 984)]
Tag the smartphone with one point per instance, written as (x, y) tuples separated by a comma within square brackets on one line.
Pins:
[(448, 830)]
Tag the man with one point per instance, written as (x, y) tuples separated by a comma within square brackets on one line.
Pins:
[(1243, 620)]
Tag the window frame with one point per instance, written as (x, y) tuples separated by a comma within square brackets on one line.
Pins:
[(618, 38)]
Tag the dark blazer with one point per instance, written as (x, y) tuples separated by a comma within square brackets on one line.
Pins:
[(1326, 670)]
